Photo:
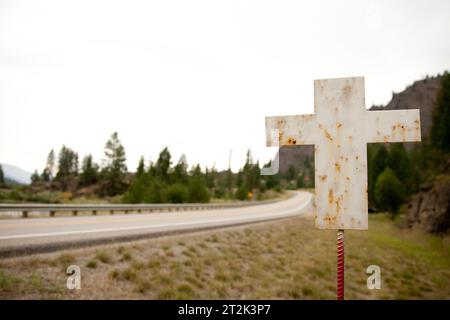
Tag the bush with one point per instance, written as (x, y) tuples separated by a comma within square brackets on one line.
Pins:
[(156, 192), (197, 190), (389, 192), (177, 193), (242, 193), (136, 192)]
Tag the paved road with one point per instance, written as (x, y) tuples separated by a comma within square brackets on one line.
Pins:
[(22, 236)]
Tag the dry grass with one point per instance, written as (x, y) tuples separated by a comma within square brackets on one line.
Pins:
[(279, 260)]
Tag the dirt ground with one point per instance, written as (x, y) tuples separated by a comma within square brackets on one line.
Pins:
[(285, 259)]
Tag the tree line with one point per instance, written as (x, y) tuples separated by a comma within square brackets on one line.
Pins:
[(162, 181)]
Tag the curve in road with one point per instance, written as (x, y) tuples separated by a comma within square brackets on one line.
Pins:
[(23, 236)]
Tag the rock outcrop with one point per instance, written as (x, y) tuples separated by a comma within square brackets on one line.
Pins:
[(430, 208)]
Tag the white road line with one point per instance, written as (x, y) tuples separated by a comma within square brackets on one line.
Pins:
[(176, 224)]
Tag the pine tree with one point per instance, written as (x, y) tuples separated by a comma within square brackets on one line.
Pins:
[(35, 177), (114, 166), (198, 192), (440, 131), (67, 163), (377, 162), (67, 167), (89, 171), (155, 191), (398, 160), (177, 193), (180, 174), (2, 177), (163, 164), (137, 192), (141, 167), (272, 181)]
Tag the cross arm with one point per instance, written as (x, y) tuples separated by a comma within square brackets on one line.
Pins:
[(292, 130), (393, 126)]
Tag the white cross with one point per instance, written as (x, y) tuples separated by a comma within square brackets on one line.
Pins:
[(340, 128)]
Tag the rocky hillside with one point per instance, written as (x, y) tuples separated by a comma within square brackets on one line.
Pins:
[(429, 209)]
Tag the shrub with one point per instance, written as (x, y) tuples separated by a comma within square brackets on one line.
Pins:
[(177, 193), (389, 192)]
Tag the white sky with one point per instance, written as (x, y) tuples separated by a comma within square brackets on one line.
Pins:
[(196, 76)]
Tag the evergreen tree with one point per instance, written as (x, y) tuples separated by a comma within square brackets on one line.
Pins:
[(45, 176), (247, 172), (377, 162), (398, 160), (2, 177), (114, 166), (272, 181), (242, 192), (440, 131), (389, 192), (156, 191), (256, 173), (163, 164), (210, 177), (229, 182), (67, 163), (35, 177), (197, 187), (137, 192), (67, 167), (89, 171), (177, 193), (141, 167), (180, 174), (152, 170)]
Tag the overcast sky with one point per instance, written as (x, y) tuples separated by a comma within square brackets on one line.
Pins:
[(196, 76)]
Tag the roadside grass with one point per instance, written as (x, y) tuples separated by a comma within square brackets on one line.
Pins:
[(286, 259), (103, 256)]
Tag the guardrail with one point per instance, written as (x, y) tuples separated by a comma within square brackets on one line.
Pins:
[(51, 209)]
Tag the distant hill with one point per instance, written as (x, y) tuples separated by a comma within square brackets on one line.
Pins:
[(16, 174), (421, 95)]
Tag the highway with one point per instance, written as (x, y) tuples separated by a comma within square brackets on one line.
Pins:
[(25, 236)]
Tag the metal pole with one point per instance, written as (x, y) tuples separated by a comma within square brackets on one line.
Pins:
[(340, 264)]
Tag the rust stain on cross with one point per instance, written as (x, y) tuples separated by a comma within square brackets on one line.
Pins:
[(340, 129)]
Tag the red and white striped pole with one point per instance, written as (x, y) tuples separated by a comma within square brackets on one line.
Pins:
[(340, 264)]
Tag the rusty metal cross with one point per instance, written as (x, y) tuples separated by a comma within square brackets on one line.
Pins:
[(340, 129)]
